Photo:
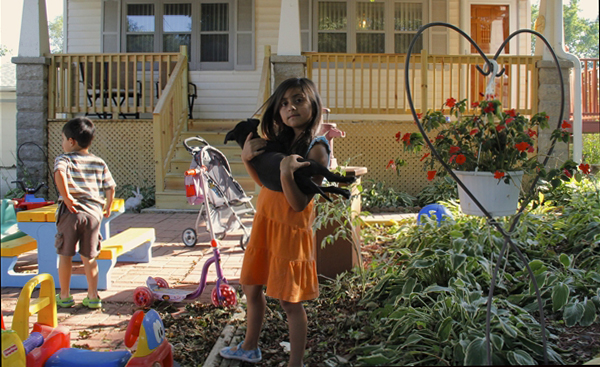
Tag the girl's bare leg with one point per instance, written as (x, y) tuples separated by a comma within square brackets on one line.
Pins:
[(297, 324), (256, 306)]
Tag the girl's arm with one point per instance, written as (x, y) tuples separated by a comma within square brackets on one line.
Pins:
[(296, 198), (252, 148)]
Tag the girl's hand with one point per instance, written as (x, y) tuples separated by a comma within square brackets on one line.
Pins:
[(290, 164), (252, 148)]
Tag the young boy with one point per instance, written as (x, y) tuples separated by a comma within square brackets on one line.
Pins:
[(80, 176)]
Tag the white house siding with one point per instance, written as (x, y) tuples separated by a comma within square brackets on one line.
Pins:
[(83, 19)]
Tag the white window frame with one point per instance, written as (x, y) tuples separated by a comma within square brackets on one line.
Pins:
[(351, 31)]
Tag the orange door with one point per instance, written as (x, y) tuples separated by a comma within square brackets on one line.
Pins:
[(489, 28)]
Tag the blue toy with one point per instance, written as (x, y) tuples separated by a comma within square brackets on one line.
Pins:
[(438, 210)]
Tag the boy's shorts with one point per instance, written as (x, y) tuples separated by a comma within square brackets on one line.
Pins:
[(79, 227)]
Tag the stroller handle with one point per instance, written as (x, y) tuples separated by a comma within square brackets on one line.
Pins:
[(195, 148)]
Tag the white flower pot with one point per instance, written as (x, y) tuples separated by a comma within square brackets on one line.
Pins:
[(498, 198)]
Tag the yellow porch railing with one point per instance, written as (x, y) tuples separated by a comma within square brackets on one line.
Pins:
[(103, 84), (374, 83)]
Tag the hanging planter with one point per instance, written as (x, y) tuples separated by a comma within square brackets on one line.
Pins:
[(497, 197)]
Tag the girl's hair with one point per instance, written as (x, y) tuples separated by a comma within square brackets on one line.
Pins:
[(272, 125), (81, 129)]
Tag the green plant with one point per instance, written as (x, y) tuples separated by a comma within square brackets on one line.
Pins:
[(442, 189), (591, 153), (148, 192), (375, 195), (489, 141)]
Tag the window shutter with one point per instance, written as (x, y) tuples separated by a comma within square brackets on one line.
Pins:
[(439, 35), (110, 26), (244, 36)]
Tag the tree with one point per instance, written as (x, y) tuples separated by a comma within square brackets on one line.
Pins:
[(581, 34), (55, 31), (3, 50)]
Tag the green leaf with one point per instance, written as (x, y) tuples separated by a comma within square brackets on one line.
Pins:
[(497, 341), (409, 286), (573, 313), (589, 313), (412, 339), (507, 328), (445, 329), (420, 264), (457, 260), (565, 260), (374, 360), (560, 295), (456, 234), (476, 353), (520, 357)]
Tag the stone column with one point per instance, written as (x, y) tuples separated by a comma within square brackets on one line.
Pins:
[(549, 102), (285, 67)]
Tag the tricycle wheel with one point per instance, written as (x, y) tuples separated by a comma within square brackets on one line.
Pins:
[(143, 297), (189, 237), (161, 282), (228, 296)]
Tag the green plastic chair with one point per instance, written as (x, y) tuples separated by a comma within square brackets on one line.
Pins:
[(10, 230)]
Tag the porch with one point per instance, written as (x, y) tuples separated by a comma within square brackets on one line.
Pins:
[(140, 106)]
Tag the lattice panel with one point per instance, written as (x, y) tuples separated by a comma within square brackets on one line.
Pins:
[(372, 144), (126, 147)]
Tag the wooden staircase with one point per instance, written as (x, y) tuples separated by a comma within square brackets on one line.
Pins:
[(213, 131)]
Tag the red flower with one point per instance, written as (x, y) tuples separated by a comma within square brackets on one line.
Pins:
[(454, 149), (531, 149), (531, 133), (439, 137), (585, 168), (500, 128), (451, 102), (522, 146), (406, 138), (419, 115), (425, 156), (398, 134), (475, 104), (498, 175), (431, 175), (567, 173), (391, 165), (508, 121), (461, 159), (452, 158), (511, 113), (489, 108), (474, 131), (565, 124)]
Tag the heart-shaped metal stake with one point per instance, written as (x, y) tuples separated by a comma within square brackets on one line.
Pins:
[(491, 70)]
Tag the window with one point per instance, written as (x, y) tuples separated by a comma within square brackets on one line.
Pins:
[(376, 26), (215, 39)]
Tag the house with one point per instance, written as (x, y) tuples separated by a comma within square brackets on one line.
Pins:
[(135, 58)]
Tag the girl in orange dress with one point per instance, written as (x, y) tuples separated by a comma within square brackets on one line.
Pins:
[(281, 250)]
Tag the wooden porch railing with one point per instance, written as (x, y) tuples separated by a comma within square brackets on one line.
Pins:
[(103, 84), (374, 83), (590, 109), (170, 118)]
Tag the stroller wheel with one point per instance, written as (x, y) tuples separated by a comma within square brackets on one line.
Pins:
[(244, 241), (161, 282), (143, 297), (189, 237), (228, 296)]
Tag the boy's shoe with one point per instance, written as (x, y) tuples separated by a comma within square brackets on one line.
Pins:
[(64, 302), (252, 356), (92, 303)]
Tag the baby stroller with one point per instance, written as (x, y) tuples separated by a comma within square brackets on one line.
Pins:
[(224, 203)]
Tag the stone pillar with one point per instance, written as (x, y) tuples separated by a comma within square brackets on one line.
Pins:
[(32, 117), (549, 102), (285, 67)]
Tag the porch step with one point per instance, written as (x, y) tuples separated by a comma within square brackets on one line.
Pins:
[(176, 200), (175, 181), (179, 165)]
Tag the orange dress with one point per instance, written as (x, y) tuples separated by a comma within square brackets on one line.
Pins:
[(281, 253)]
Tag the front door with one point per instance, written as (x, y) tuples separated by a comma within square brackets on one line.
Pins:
[(489, 28)]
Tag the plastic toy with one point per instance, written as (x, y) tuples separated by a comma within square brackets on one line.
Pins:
[(29, 201), (48, 344), (438, 210), (19, 348), (158, 288)]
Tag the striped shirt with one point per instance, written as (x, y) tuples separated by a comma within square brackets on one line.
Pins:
[(87, 178)]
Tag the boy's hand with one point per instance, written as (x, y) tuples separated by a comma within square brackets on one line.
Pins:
[(252, 148), (107, 211), (70, 203), (290, 164)]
